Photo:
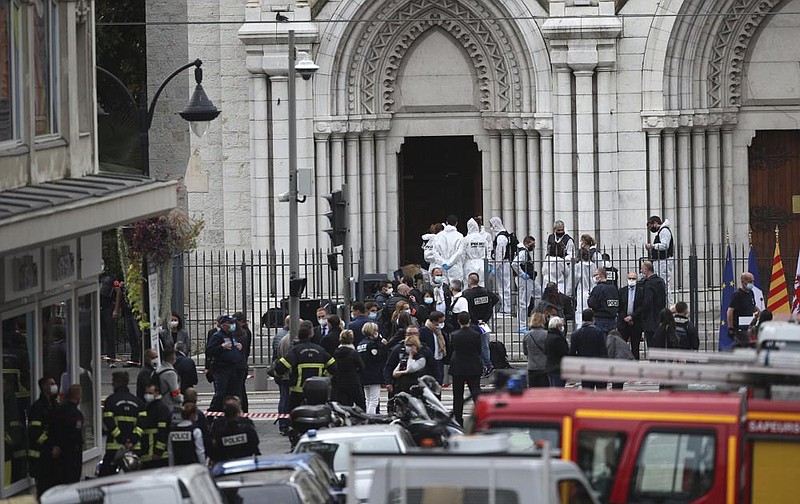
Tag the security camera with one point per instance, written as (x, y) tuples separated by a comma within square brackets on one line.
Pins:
[(305, 66)]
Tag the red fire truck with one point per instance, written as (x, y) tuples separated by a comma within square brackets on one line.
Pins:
[(737, 445)]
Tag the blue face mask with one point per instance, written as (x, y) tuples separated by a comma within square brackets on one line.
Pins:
[(750, 286), (373, 315), (233, 327), (437, 279)]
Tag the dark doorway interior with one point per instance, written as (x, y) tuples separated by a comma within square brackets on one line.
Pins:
[(438, 176), (774, 162)]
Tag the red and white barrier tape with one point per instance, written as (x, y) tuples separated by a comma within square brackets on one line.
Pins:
[(257, 416)]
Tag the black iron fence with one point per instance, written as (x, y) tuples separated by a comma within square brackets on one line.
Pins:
[(257, 283)]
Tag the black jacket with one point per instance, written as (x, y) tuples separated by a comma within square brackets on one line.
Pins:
[(373, 354), (688, 338), (655, 300), (638, 308), (604, 300), (480, 301), (556, 347), (222, 357), (39, 419), (588, 341), (397, 353), (348, 367), (120, 414), (465, 353), (305, 359), (330, 342), (233, 438)]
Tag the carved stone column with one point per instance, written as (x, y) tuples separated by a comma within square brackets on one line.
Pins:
[(322, 185), (381, 222), (727, 178), (563, 177), (699, 224), (496, 170), (716, 233), (337, 159), (683, 225), (547, 181), (654, 203), (354, 189), (584, 146), (507, 165), (368, 193), (668, 173), (261, 181)]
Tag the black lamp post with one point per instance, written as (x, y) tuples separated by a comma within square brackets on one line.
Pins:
[(199, 112)]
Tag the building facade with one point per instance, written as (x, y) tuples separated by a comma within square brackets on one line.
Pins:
[(54, 204), (595, 112)]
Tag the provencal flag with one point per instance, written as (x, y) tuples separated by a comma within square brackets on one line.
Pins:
[(796, 300), (778, 297), (728, 286)]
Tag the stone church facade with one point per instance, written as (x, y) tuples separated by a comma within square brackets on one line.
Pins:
[(595, 112)]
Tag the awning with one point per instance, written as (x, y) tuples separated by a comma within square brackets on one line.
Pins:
[(34, 215)]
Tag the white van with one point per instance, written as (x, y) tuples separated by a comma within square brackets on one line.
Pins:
[(189, 484)]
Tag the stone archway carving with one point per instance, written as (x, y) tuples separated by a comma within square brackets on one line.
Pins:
[(730, 49), (379, 53)]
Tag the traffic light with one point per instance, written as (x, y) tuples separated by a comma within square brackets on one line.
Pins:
[(336, 216)]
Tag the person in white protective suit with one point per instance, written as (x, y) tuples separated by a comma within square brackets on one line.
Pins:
[(429, 246), (557, 267), (661, 251), (528, 290), (502, 261), (584, 281), (472, 252), (447, 243)]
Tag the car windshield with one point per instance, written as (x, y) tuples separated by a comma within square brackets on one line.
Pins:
[(278, 494), (338, 459)]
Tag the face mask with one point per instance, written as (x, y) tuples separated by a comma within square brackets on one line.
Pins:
[(409, 348), (408, 311), (373, 315), (749, 286), (440, 326), (53, 389), (641, 276), (154, 363), (173, 323), (148, 398), (437, 279), (322, 321), (428, 300), (389, 291), (233, 327), (631, 283)]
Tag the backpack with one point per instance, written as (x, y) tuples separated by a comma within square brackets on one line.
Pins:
[(498, 355), (671, 338), (682, 337)]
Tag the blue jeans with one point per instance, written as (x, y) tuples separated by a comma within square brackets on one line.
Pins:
[(605, 324), (283, 403), (485, 356)]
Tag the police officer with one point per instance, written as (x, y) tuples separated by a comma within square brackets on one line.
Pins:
[(228, 354), (152, 428), (604, 300), (480, 300), (303, 360), (66, 439), (38, 425), (186, 439), (233, 436), (120, 414)]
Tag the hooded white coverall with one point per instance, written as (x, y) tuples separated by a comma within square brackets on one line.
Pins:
[(502, 267), (527, 287), (447, 243), (472, 253)]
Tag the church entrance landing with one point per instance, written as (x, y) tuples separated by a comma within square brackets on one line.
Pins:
[(438, 176)]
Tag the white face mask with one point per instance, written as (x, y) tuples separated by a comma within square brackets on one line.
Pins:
[(173, 323), (428, 300), (148, 398), (440, 326), (631, 283), (154, 363), (389, 291), (408, 311), (409, 348), (53, 389), (322, 321)]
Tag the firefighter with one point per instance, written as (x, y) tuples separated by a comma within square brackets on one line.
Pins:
[(38, 425), (120, 416), (152, 428)]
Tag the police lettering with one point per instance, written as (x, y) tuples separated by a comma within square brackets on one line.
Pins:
[(481, 300), (612, 302), (176, 436), (236, 439)]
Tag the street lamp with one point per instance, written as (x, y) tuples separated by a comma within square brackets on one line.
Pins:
[(306, 68), (199, 112)]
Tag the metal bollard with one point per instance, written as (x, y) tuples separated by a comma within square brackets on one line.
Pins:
[(260, 377)]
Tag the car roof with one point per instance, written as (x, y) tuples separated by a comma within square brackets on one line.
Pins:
[(138, 478), (268, 462), (356, 431)]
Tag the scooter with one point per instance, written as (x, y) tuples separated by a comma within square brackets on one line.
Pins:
[(422, 413)]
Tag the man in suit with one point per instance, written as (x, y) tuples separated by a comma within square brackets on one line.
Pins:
[(358, 317), (655, 300), (631, 309), (321, 328), (465, 363)]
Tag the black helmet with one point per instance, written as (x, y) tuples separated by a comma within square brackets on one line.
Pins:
[(127, 461)]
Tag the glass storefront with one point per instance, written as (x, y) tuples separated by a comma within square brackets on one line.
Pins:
[(16, 389), (57, 338)]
